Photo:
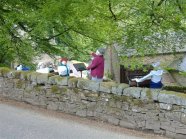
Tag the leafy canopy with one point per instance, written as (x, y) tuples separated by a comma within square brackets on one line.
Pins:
[(72, 28)]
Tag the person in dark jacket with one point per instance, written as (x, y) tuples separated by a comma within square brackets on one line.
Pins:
[(97, 65)]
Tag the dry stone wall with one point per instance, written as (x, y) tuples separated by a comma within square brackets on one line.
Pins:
[(160, 111)]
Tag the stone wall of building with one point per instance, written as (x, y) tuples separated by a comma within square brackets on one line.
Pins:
[(160, 111)]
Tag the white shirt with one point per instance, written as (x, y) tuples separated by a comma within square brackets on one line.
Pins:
[(20, 67), (154, 75), (63, 70), (43, 70)]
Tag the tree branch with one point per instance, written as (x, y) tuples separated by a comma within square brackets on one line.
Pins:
[(160, 2), (89, 36), (56, 35), (110, 9)]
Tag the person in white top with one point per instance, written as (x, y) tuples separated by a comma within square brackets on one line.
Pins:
[(42, 68), (19, 67), (63, 68), (155, 75)]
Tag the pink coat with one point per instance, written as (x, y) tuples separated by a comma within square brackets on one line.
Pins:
[(97, 66)]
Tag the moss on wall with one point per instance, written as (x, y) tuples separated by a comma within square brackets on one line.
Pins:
[(149, 94), (75, 90), (181, 95), (130, 100), (19, 84), (58, 90), (181, 89), (4, 71), (55, 89), (38, 88)]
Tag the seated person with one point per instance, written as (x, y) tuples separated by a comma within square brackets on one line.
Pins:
[(23, 68), (63, 68), (19, 67), (155, 75), (43, 67)]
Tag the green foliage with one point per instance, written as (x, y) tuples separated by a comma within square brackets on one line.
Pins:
[(182, 73), (171, 69), (175, 88), (72, 28)]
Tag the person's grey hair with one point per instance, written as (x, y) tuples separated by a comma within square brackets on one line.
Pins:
[(101, 50)]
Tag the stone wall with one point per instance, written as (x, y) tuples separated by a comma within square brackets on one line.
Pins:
[(159, 111)]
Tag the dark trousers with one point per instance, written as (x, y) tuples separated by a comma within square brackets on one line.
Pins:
[(156, 85)]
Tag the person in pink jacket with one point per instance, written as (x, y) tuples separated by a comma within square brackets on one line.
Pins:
[(97, 65)]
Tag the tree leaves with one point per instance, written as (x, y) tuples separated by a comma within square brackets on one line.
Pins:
[(74, 27)]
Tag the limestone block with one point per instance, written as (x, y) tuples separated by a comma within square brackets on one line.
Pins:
[(88, 85), (167, 126), (152, 115), (149, 94), (31, 94), (173, 115), (113, 120), (72, 82), (180, 136), (61, 80), (42, 101), (136, 109), (24, 75), (119, 88), (51, 80), (42, 78), (53, 105), (152, 124), (165, 106), (32, 76), (28, 75), (180, 130), (8, 83), (82, 113), (125, 106), (106, 87), (62, 106), (89, 96), (172, 97), (171, 135), (1, 82), (5, 72), (15, 74), (18, 83), (133, 92), (17, 94), (90, 113), (58, 80), (127, 124), (160, 132), (31, 100), (141, 124), (155, 93), (71, 108), (183, 118)]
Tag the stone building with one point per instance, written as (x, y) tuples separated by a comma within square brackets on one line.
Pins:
[(113, 62)]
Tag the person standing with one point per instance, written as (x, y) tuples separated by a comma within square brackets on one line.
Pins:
[(97, 66), (63, 68)]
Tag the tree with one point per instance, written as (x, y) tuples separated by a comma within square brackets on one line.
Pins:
[(78, 26)]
